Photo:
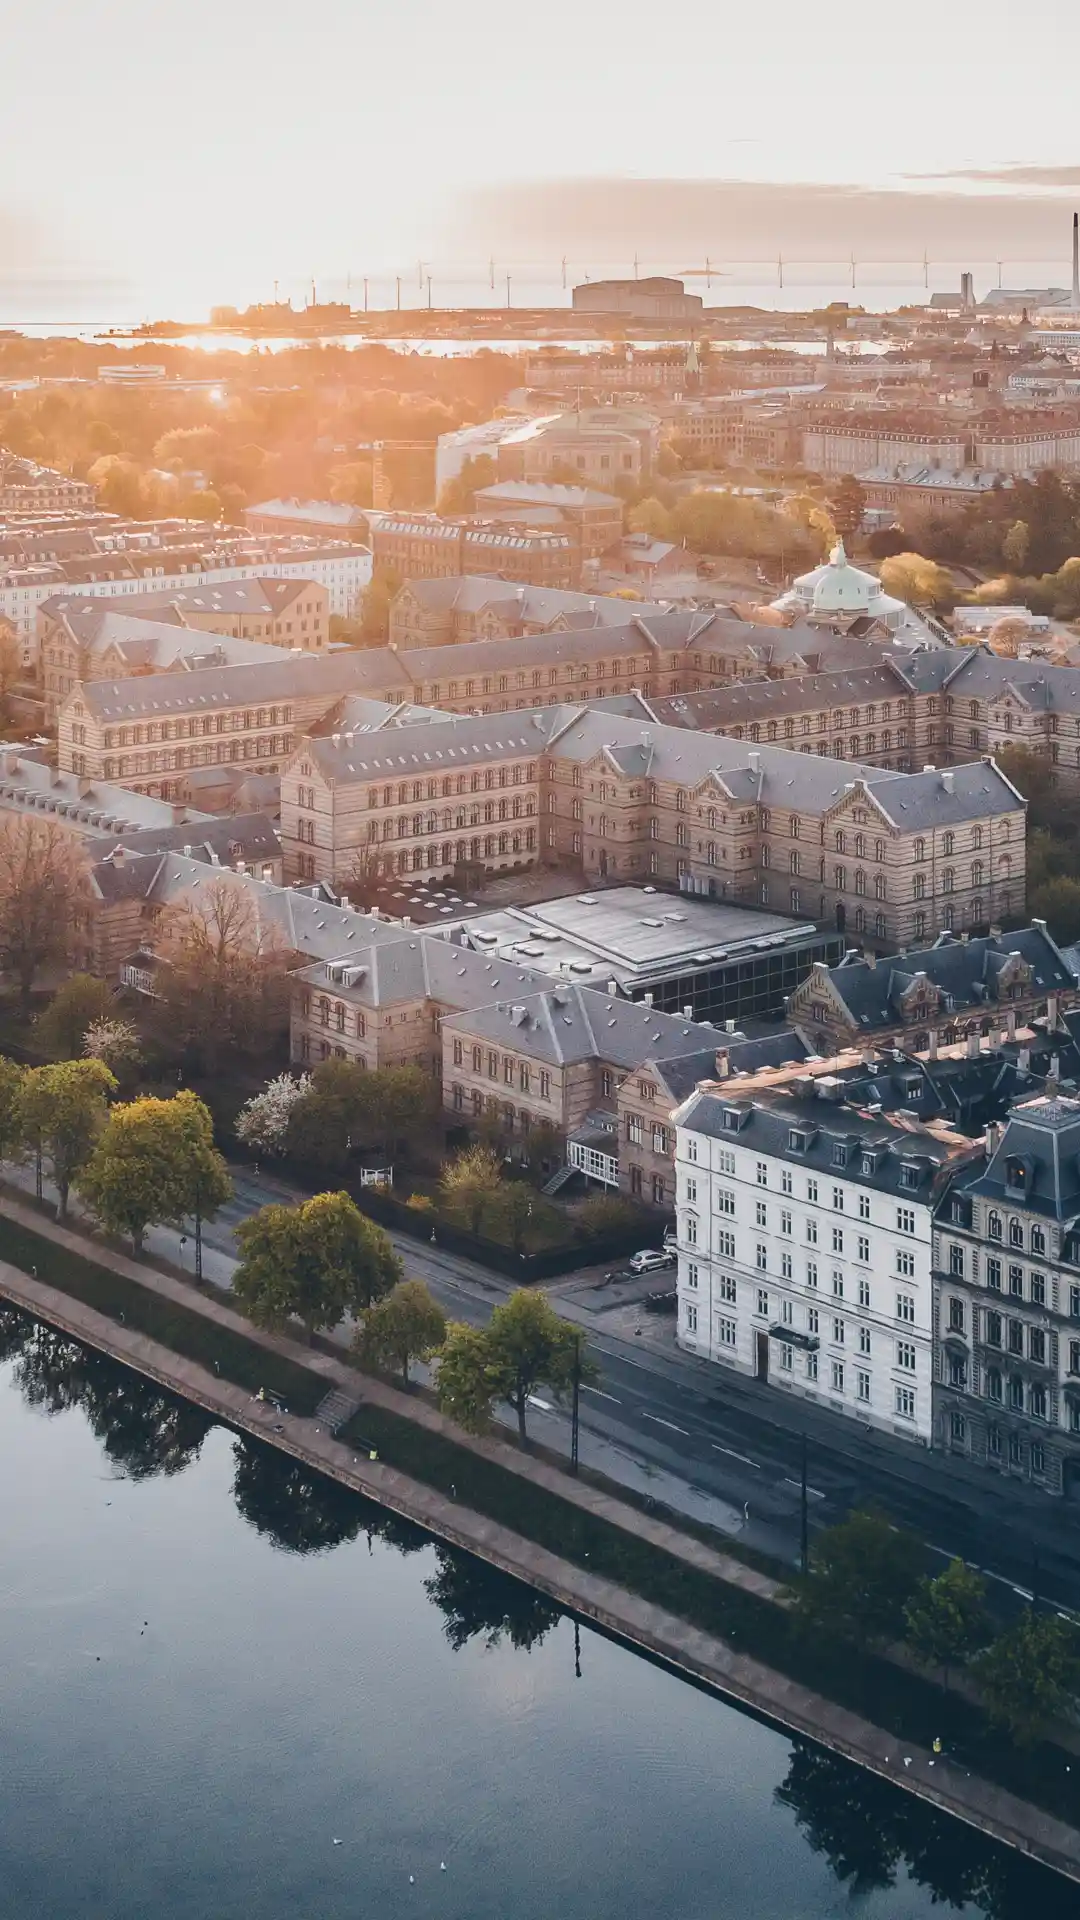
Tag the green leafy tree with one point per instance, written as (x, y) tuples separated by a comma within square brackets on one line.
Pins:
[(511, 1212), (155, 1164), (74, 1007), (315, 1262), (863, 1575), (946, 1617), (324, 1119), (1030, 1674), (469, 1183), (531, 1346), (11, 1123), (652, 517), (407, 1325), (609, 1213), (62, 1112), (378, 597), (471, 1377), (459, 494)]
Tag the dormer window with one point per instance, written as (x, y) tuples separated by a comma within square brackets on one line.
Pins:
[(731, 1120), (869, 1162), (1016, 1176), (839, 1154), (909, 1175), (797, 1142)]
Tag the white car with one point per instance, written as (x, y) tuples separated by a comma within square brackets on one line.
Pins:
[(648, 1260)]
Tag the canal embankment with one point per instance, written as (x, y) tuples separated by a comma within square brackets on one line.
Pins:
[(702, 1611)]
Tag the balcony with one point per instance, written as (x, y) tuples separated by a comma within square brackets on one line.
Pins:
[(593, 1149)]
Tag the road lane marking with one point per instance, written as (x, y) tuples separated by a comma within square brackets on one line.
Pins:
[(601, 1395), (815, 1493), (732, 1455), (655, 1418), (545, 1406)]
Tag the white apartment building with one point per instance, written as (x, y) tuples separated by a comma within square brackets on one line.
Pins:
[(343, 570), (804, 1230)]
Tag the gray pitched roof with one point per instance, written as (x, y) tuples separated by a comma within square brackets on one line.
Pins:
[(965, 972), (1037, 1162), (567, 1024), (283, 678), (881, 1151)]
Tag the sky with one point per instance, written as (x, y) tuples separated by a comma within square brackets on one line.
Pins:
[(159, 158)]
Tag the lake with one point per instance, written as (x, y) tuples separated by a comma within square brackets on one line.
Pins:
[(232, 1691)]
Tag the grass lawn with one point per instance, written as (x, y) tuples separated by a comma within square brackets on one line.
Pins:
[(186, 1331)]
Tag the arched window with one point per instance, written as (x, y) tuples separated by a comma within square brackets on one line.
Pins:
[(993, 1226), (1037, 1402), (860, 846), (860, 920), (1038, 1240), (977, 873), (880, 886), (919, 889), (1016, 1233), (840, 843), (976, 836), (860, 880), (919, 850), (948, 881), (948, 845), (879, 926)]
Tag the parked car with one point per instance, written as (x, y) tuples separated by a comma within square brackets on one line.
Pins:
[(650, 1258), (664, 1300), (670, 1242)]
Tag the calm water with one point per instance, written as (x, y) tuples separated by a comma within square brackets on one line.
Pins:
[(213, 1667)]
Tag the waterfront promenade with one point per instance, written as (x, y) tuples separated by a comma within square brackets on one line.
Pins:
[(688, 1649)]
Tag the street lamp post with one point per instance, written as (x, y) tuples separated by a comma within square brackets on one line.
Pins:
[(575, 1420), (804, 1518)]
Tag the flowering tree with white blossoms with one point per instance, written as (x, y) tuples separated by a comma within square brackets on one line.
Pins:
[(263, 1122), (116, 1042)]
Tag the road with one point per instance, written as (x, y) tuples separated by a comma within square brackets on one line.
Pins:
[(728, 1449), (716, 1445)]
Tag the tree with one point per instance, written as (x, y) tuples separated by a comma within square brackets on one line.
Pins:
[(471, 1378), (1007, 636), (315, 1262), (44, 894), (74, 1007), (921, 582), (222, 983), (863, 1575), (11, 1087), (1029, 1674), (848, 504), (407, 1325), (62, 1111), (459, 494), (652, 517), (155, 1163), (469, 1181), (378, 597), (114, 1041), (511, 1212), (370, 870), (531, 1346), (1016, 545), (608, 1213), (263, 1121), (322, 1121), (946, 1617)]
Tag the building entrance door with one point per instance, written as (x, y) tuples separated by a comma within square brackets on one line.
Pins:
[(761, 1355)]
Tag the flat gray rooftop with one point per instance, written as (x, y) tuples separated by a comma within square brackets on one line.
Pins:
[(633, 935)]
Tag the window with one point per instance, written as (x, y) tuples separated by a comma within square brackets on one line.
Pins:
[(787, 1312), (957, 1372), (905, 1219), (993, 1384), (725, 1332), (905, 1403), (1016, 1450), (785, 1180), (811, 1273), (762, 1302), (993, 1329), (691, 1192), (726, 1288), (1016, 1233), (993, 1226), (957, 1428), (838, 1332), (993, 1274), (785, 1220), (761, 1256), (763, 1173), (1037, 1346), (864, 1206), (864, 1293), (690, 1230), (838, 1239), (1037, 1402), (785, 1266), (725, 1200), (864, 1248), (956, 1261), (725, 1245), (811, 1232), (811, 1366), (838, 1199), (787, 1358), (957, 1316), (690, 1310), (1016, 1282), (1038, 1240), (862, 1385), (905, 1263), (1038, 1458), (760, 1216), (1038, 1290), (905, 1356), (864, 1339), (838, 1376), (692, 1274), (812, 1191)]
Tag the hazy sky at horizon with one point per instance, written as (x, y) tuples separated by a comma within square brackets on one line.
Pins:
[(200, 152)]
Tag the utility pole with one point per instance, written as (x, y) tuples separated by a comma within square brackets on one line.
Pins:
[(198, 1233), (429, 292), (577, 1650), (564, 271), (804, 1517), (575, 1413), (508, 290), (708, 272), (853, 269), (491, 273), (399, 293), (780, 268)]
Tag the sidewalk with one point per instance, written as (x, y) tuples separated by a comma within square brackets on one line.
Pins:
[(990, 1809)]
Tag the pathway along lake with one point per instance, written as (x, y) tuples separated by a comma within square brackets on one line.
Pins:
[(232, 1691)]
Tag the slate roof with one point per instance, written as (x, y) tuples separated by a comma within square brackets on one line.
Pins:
[(534, 493), (237, 836), (536, 606), (1036, 1165), (282, 678), (566, 1024), (407, 964), (964, 971), (767, 1121), (459, 740)]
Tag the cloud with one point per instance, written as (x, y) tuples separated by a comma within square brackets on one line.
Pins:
[(597, 222), (1011, 173)]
